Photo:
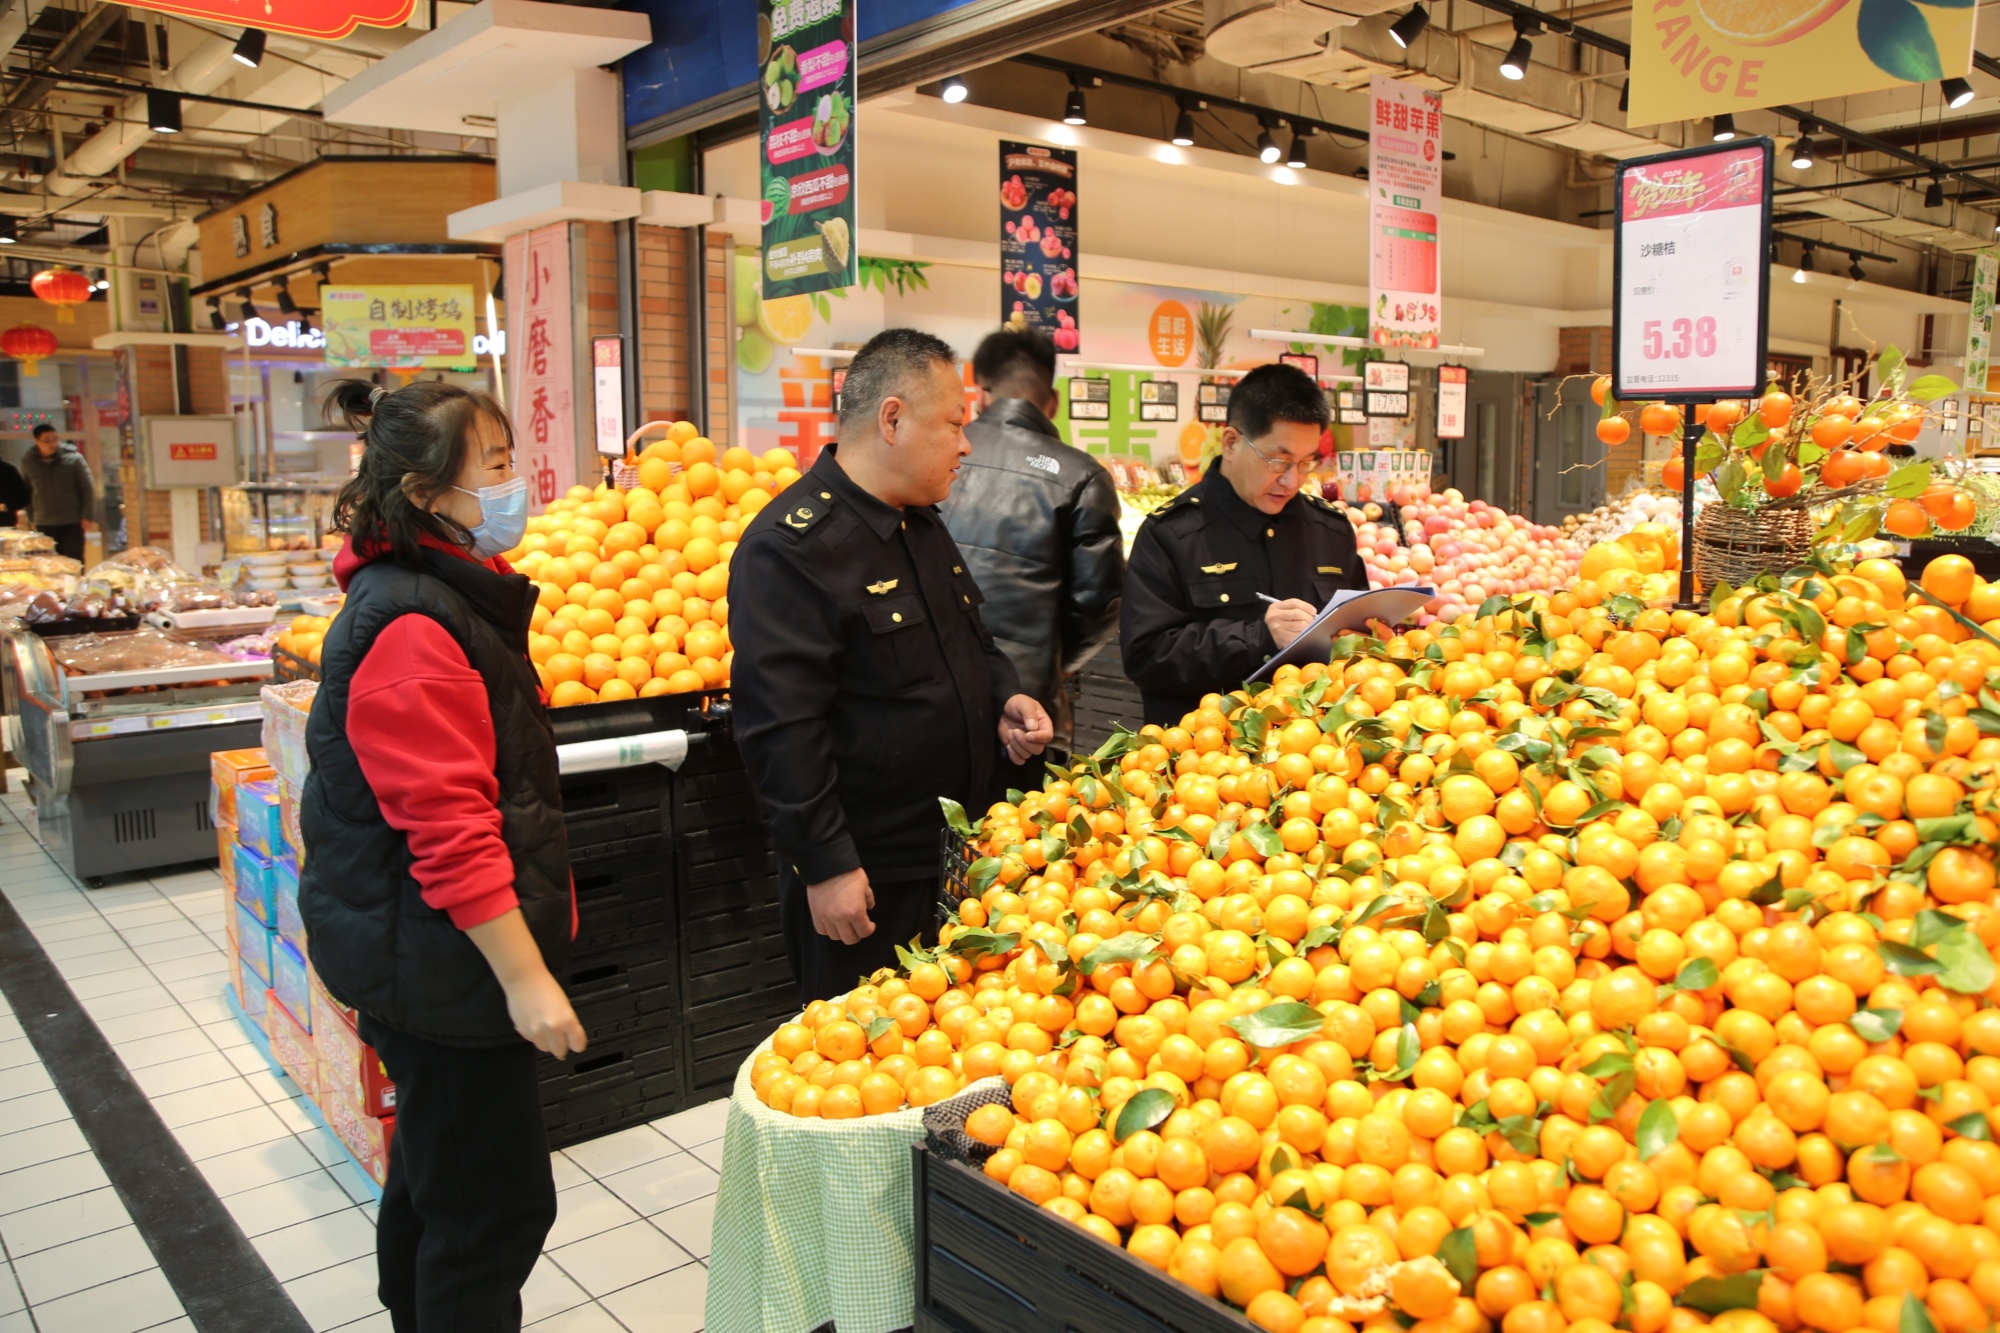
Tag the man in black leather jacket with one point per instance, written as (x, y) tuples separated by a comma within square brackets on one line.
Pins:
[(1037, 521)]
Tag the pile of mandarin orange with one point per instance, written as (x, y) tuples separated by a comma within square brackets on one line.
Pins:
[(633, 585), (1579, 965)]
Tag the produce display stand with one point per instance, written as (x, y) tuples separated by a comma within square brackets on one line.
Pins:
[(988, 1261), (1983, 552)]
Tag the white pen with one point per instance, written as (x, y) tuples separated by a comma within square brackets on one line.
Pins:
[(1266, 597)]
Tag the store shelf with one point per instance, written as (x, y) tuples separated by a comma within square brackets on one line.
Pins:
[(132, 724)]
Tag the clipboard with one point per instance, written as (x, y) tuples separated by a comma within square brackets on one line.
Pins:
[(1344, 612)]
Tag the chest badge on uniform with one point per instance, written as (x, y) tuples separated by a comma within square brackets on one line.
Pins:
[(1218, 569), (1329, 569), (886, 585)]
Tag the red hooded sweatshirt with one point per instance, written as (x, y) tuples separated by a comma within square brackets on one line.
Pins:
[(419, 725)]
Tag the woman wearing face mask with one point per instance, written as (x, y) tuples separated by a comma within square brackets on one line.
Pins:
[(435, 884)]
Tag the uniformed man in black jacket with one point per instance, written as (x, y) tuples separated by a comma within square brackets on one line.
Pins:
[(1038, 522), (865, 686), (1195, 617)]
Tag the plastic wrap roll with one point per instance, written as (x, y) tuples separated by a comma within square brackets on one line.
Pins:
[(654, 747)]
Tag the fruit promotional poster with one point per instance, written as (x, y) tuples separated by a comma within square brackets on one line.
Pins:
[(1038, 287), (805, 115)]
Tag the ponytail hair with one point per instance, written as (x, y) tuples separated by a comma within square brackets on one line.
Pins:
[(414, 440)]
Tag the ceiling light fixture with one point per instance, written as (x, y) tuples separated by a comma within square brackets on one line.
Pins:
[(1934, 194), (8, 234), (1957, 92), (1267, 146), (954, 90), (163, 111), (1855, 271), (1725, 128), (1806, 259), (1296, 158), (248, 308), (1411, 26), (250, 47), (1514, 65), (1073, 113), (285, 301), (1625, 96), (1802, 158), (215, 316), (1184, 127)]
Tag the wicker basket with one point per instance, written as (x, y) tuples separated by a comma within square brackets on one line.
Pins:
[(1734, 546)]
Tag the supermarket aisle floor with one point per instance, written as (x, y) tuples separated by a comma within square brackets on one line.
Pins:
[(147, 960)]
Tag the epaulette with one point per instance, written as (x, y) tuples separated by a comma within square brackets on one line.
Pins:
[(1317, 501), (1186, 502), (803, 509)]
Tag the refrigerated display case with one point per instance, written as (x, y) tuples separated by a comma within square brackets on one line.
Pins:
[(278, 515)]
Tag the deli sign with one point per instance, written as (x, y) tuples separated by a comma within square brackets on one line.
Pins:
[(324, 19)]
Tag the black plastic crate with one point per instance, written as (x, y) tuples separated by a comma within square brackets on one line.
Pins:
[(610, 1086), (717, 1038), (609, 973), (589, 797), (988, 1261)]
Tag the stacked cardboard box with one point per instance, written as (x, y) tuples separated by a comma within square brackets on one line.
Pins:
[(312, 1035)]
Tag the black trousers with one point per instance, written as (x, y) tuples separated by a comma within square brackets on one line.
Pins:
[(68, 538), (904, 910), (470, 1196)]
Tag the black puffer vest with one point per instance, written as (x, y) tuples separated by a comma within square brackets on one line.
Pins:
[(374, 942)]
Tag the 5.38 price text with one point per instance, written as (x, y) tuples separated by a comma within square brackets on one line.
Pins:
[(1669, 340)]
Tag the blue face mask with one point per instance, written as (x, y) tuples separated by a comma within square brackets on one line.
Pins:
[(503, 517)]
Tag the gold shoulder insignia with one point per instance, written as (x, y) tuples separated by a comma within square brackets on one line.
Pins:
[(886, 585), (1218, 569), (1329, 569), (802, 517)]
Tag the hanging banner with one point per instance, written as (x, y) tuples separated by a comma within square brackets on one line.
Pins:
[(1453, 384), (1690, 286), (327, 20), (1038, 242), (1704, 58), (806, 126), (398, 328), (1405, 195), (540, 370), (1979, 329)]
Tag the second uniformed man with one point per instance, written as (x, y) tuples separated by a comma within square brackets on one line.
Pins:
[(864, 685), (1193, 621)]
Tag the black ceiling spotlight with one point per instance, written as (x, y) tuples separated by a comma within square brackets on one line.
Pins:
[(1725, 128), (1268, 151), (954, 90), (1625, 95), (1297, 156), (1514, 65), (1934, 194), (285, 301), (216, 318), (8, 234), (1957, 92), (1073, 113), (1802, 158), (1184, 125), (1806, 259), (1855, 270), (1411, 26), (250, 47), (249, 307), (163, 111)]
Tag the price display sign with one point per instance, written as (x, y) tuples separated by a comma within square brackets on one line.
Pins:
[(1454, 383), (1691, 287)]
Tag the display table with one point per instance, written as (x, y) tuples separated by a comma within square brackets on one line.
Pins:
[(812, 1221)]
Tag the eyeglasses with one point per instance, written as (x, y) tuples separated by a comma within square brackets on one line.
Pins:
[(1280, 465)]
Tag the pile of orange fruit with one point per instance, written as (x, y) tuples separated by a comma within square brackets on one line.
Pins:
[(1577, 965), (303, 636), (633, 585)]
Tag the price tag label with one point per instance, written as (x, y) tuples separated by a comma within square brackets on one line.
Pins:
[(1692, 286), (162, 722)]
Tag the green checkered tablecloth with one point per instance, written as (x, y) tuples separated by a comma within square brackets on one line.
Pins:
[(812, 1221)]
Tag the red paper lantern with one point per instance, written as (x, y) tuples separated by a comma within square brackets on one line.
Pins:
[(28, 344), (62, 288)]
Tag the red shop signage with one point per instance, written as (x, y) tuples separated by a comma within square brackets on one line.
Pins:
[(326, 19)]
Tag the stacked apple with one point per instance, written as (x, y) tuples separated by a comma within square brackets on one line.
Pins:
[(1467, 549)]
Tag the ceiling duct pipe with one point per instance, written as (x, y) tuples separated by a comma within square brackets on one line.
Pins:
[(207, 67)]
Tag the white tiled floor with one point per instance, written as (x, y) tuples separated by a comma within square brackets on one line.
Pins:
[(148, 959)]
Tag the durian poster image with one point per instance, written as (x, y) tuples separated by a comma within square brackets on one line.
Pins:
[(1038, 215), (806, 122)]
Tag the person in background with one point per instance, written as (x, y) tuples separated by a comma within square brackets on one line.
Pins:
[(865, 686), (1038, 523), (62, 490), (14, 496), (435, 883), (1195, 619)]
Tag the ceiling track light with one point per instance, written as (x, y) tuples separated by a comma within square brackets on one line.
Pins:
[(216, 318), (250, 47), (1296, 157), (1856, 272), (248, 308), (1934, 194), (8, 229), (954, 90), (1184, 124), (1514, 65), (1806, 260), (1625, 96), (1802, 156), (163, 111), (1268, 151), (1957, 92), (1724, 129), (1411, 26), (1073, 111), (285, 301)]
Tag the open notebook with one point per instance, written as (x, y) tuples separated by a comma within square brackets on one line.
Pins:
[(1344, 613)]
